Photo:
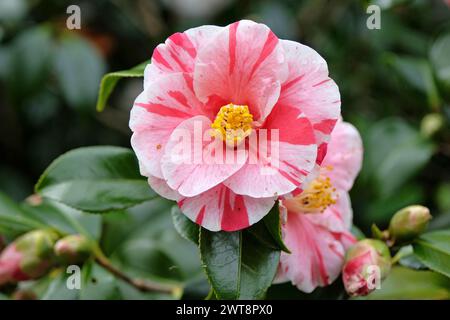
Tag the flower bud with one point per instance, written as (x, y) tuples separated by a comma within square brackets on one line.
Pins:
[(366, 263), (29, 257), (73, 249), (409, 223)]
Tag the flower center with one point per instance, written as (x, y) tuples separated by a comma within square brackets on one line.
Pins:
[(233, 124), (319, 195)]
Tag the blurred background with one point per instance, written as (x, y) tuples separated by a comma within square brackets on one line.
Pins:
[(394, 82)]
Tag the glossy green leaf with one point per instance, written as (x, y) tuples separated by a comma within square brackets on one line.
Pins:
[(433, 250), (406, 284), (185, 227), (13, 220), (268, 230), (392, 164), (65, 219), (417, 72), (143, 241), (78, 68), (237, 265), (439, 56), (109, 82), (95, 179)]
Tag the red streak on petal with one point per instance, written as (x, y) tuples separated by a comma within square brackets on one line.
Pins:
[(175, 57), (163, 110), (232, 46), (183, 41), (322, 269), (158, 58), (200, 215), (321, 82), (234, 216), (321, 153), (325, 126), (179, 96), (288, 85), (269, 46)]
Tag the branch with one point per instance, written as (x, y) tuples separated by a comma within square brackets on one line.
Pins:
[(140, 284)]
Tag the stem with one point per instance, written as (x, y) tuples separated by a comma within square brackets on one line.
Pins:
[(404, 252), (140, 284)]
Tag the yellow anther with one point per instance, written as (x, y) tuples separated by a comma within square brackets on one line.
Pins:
[(233, 124), (319, 195)]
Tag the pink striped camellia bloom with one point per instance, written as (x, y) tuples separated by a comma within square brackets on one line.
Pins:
[(220, 80), (317, 222)]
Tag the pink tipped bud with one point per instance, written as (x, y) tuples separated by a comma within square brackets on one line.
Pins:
[(73, 249), (29, 257), (409, 223), (366, 263)]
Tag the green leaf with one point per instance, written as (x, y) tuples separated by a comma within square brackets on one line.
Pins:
[(417, 72), (237, 265), (64, 219), (395, 152), (95, 179), (272, 221), (268, 230), (143, 242), (78, 69), (110, 80), (57, 289), (29, 61), (406, 284), (13, 220), (359, 235), (433, 250), (439, 56), (185, 227)]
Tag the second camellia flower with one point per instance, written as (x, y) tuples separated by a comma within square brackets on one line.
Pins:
[(236, 85)]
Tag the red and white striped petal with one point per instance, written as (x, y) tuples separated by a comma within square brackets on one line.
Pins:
[(243, 64), (179, 52), (267, 173), (221, 209), (316, 255), (309, 88), (344, 157), (157, 111), (194, 162)]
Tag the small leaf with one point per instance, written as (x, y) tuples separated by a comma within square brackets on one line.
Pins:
[(433, 250), (237, 265), (185, 227), (273, 223), (268, 230), (95, 179), (110, 80)]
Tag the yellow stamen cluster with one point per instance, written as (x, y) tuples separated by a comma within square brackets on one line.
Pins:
[(233, 124), (319, 195)]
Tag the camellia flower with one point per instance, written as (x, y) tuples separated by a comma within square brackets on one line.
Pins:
[(230, 88), (318, 220)]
